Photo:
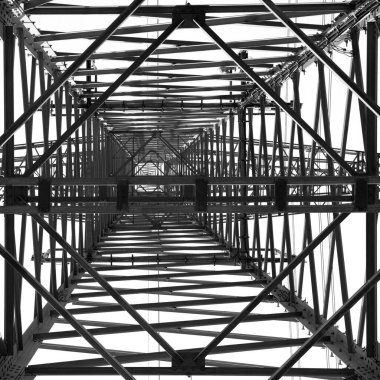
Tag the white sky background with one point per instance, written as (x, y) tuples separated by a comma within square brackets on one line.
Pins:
[(353, 228)]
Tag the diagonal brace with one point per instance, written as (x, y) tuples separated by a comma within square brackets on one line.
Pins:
[(135, 154), (176, 153), (64, 77), (100, 101), (108, 287), (276, 98), (165, 163), (316, 337), (65, 314), (271, 286), (36, 3), (322, 56)]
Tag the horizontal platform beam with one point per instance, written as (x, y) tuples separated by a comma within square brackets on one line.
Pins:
[(142, 357), (173, 209), (189, 180), (157, 11), (222, 371), (158, 326)]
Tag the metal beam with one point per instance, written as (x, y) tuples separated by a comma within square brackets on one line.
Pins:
[(126, 30), (142, 357), (209, 371), (160, 11), (69, 72), (277, 280), (115, 364), (277, 99), (322, 56), (38, 3), (190, 180), (105, 284), (164, 325), (189, 209), (371, 282), (372, 169), (95, 106), (9, 171), (337, 29)]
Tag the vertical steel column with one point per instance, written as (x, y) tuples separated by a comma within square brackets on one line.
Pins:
[(89, 231), (256, 243), (223, 170), (212, 221), (8, 167), (372, 169), (58, 96), (70, 171), (244, 242), (233, 191), (64, 191), (269, 240), (45, 113), (27, 99), (78, 189), (46, 172), (225, 173), (359, 79), (18, 281), (251, 145), (337, 233), (286, 239), (308, 226), (95, 173), (205, 172)]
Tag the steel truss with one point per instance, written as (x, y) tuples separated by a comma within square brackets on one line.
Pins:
[(179, 182)]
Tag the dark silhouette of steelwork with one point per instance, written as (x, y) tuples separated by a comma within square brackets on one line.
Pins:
[(156, 176)]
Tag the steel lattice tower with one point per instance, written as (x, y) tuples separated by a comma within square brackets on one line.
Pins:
[(189, 190)]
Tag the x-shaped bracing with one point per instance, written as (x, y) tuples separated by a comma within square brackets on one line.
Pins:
[(182, 16)]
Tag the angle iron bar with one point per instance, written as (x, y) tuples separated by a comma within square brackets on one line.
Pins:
[(94, 106), (371, 282), (206, 300), (208, 371), (19, 22), (66, 314), (105, 284), (322, 56), (338, 234), (176, 310), (8, 167), (160, 27), (189, 180), (285, 272), (195, 273), (68, 73), (372, 169), (277, 99), (136, 153), (36, 4), (87, 350), (166, 11), (365, 366), (174, 324), (178, 154), (165, 289), (174, 208), (339, 27), (142, 357)]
